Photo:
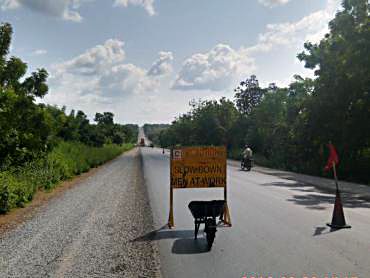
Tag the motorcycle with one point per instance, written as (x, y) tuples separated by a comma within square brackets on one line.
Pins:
[(246, 164)]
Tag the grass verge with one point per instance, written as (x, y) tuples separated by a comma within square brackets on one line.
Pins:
[(18, 185)]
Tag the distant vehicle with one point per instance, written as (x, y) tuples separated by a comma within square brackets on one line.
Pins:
[(142, 142), (151, 145)]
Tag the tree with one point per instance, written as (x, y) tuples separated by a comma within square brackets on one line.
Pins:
[(153, 131), (248, 95), (339, 110), (6, 32), (24, 130), (29, 130), (104, 119), (208, 123), (268, 129), (288, 127)]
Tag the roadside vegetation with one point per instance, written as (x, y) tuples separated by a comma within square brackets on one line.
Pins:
[(289, 128), (152, 131), (41, 145), (67, 159)]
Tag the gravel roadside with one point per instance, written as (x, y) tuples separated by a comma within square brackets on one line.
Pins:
[(89, 230)]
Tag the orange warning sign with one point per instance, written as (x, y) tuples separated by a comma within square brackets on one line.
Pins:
[(198, 167)]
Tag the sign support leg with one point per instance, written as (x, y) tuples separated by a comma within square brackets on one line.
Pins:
[(171, 223), (226, 216)]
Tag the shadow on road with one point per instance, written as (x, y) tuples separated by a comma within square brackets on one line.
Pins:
[(190, 246), (165, 233), (323, 231), (184, 243), (318, 199), (315, 200)]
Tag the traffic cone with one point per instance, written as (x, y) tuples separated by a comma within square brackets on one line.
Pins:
[(338, 221)]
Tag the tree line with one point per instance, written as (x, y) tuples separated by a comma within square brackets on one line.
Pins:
[(29, 129), (289, 127), (40, 144), (152, 131)]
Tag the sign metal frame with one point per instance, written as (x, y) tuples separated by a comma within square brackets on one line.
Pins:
[(174, 156)]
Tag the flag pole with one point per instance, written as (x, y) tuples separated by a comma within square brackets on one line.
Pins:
[(335, 176)]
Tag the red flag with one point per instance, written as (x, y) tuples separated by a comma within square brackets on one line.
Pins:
[(333, 158)]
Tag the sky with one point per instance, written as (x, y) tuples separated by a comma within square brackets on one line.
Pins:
[(145, 60)]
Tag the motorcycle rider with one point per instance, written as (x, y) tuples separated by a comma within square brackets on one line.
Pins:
[(247, 154)]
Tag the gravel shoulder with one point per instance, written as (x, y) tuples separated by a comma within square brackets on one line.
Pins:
[(89, 230), (18, 216)]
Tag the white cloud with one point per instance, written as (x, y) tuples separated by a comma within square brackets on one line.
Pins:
[(9, 4), (99, 79), (292, 34), (218, 69), (39, 52), (148, 5), (273, 3), (68, 9), (126, 79), (214, 70), (100, 75), (65, 9), (163, 65), (96, 60)]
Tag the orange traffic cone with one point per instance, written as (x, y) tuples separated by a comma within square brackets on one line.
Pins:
[(338, 221)]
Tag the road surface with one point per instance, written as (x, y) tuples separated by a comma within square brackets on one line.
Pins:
[(279, 228), (102, 227), (142, 135), (88, 231)]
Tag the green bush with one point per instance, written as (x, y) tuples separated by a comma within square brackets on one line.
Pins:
[(235, 153), (19, 184)]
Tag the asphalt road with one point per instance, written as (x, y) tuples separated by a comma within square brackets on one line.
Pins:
[(88, 231), (279, 228), (142, 135)]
